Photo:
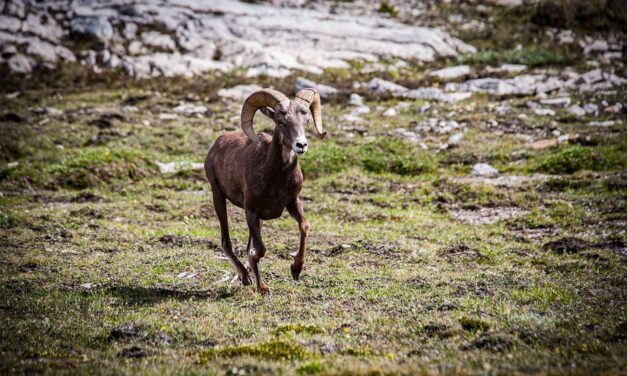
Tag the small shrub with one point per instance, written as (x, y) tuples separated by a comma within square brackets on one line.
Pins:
[(576, 158), (388, 8), (531, 57), (310, 368), (474, 325)]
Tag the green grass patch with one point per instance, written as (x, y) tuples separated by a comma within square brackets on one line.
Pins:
[(473, 325), (272, 350), (299, 328), (531, 57), (576, 158)]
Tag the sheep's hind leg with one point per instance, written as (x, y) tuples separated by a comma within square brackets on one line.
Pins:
[(219, 203), (256, 249), (295, 209)]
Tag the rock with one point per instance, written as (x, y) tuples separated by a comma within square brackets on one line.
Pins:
[(158, 40), (190, 109), (44, 26), (360, 110), (19, 63), (352, 118), (506, 3), (130, 30), (544, 112), (543, 144), (451, 73), (513, 68), (15, 8), (239, 92), (326, 92), (11, 24), (136, 48), (44, 50), (607, 123), (591, 109), (565, 37), (86, 286), (592, 76), (596, 46), (435, 94), (424, 108), (407, 135), (561, 102), (172, 167), (94, 28), (355, 100), (615, 109), (576, 110), (186, 275), (483, 169), (455, 139), (379, 86), (390, 112)]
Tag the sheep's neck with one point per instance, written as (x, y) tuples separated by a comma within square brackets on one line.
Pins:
[(281, 158)]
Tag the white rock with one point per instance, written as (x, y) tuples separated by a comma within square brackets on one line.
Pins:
[(15, 8), (86, 286), (19, 63), (136, 48), (239, 92), (97, 28), (483, 169), (451, 73), (379, 86), (10, 23), (390, 112), (455, 139), (44, 50), (592, 76), (190, 109), (158, 40), (591, 109), (607, 123), (596, 46), (576, 110), (352, 118), (513, 68), (325, 91), (544, 112), (561, 102), (360, 110), (171, 167), (355, 100)]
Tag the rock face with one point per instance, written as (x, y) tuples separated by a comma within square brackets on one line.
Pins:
[(325, 91), (189, 36)]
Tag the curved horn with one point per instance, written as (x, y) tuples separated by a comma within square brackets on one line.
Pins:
[(262, 98), (311, 98)]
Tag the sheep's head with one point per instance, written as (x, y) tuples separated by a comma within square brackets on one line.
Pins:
[(290, 116)]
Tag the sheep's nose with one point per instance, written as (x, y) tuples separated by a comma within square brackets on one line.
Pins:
[(301, 144)]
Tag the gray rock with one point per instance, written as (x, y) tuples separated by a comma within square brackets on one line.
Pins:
[(561, 102), (455, 139), (95, 28), (591, 109), (325, 91), (390, 112), (158, 40), (239, 92), (130, 30), (15, 8), (596, 46), (44, 26), (355, 100), (10, 23), (190, 109), (576, 110), (44, 50), (451, 73), (543, 112), (607, 123), (483, 169), (19, 63), (360, 110), (380, 86)]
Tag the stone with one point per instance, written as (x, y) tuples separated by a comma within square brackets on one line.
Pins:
[(44, 26), (158, 40), (190, 109), (380, 86), (451, 73), (44, 50), (614, 109), (326, 92), (94, 28), (390, 112), (560, 102), (15, 8), (607, 123), (130, 30), (591, 109), (543, 112), (483, 169), (576, 110), (355, 100), (592, 76), (513, 68), (19, 63), (239, 92), (360, 110), (596, 46), (455, 139), (136, 48), (8, 23), (172, 167)]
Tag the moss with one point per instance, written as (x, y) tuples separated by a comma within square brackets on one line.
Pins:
[(273, 350), (310, 368), (299, 328), (473, 325), (576, 158), (531, 57)]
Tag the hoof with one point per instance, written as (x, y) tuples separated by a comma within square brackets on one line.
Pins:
[(296, 271), (264, 289), (245, 279)]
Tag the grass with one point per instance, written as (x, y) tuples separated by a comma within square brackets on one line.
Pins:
[(532, 57), (106, 264)]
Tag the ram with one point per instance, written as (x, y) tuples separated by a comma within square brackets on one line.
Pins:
[(260, 173)]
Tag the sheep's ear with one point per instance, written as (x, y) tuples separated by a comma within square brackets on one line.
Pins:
[(268, 112)]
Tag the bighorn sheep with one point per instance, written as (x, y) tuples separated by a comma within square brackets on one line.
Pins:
[(261, 174)]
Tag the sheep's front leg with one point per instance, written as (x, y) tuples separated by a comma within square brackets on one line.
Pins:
[(256, 249), (295, 209)]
